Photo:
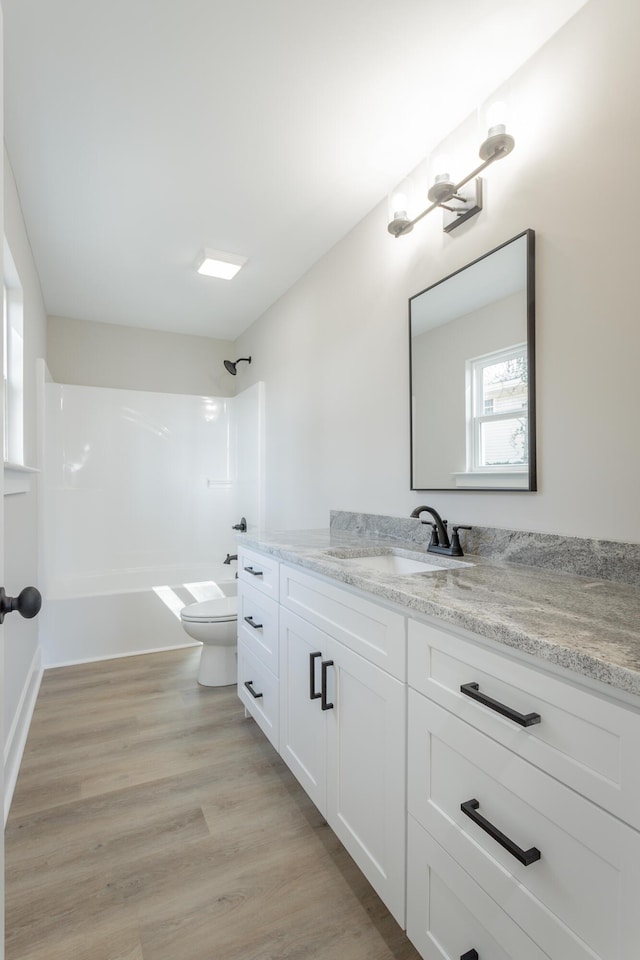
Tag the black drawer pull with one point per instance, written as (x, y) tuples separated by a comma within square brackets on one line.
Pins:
[(313, 693), (249, 685), (524, 719), (470, 955), (526, 857), (254, 573), (323, 686), (252, 623)]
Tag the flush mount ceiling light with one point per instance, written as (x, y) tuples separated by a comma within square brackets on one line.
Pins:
[(446, 194), (217, 263)]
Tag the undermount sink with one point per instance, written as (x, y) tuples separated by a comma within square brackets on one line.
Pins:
[(392, 563)]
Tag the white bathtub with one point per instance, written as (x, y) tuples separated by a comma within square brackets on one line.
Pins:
[(98, 617)]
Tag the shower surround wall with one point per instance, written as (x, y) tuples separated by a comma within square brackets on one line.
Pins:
[(140, 493)]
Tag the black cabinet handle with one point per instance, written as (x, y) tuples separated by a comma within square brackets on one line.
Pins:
[(323, 685), (252, 623), (254, 573), (524, 719), (470, 955), (313, 693), (526, 857), (249, 685)]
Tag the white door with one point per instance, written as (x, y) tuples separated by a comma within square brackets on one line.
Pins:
[(366, 734), (1, 520)]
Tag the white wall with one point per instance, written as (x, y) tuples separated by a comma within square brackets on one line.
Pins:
[(21, 651), (333, 351), (109, 355)]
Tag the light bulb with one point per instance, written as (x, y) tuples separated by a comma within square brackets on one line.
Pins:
[(442, 186), (497, 116), (441, 167), (497, 143), (401, 208)]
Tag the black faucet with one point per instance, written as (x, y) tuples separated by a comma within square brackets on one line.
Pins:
[(439, 542), (242, 526), (230, 557)]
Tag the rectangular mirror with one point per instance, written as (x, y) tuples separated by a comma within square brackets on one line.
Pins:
[(472, 375)]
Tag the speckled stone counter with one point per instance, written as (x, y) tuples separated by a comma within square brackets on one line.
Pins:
[(589, 626)]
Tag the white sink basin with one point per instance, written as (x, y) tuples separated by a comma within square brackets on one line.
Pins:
[(393, 563), (390, 563)]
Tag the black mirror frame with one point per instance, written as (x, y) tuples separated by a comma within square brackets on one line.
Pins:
[(531, 374)]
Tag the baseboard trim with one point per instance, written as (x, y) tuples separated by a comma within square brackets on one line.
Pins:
[(17, 738), (122, 655)]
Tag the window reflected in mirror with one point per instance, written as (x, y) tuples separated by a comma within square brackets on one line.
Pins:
[(472, 375)]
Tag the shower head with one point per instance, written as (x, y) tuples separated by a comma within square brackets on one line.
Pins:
[(231, 365)]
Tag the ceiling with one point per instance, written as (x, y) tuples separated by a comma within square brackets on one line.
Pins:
[(142, 131)]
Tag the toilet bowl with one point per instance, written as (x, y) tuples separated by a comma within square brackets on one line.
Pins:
[(213, 622)]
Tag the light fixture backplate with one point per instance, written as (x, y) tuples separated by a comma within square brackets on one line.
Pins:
[(472, 195)]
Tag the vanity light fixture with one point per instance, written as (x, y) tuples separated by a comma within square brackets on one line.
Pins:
[(446, 194), (217, 263)]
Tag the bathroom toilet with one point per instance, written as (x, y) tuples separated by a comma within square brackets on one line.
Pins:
[(213, 622)]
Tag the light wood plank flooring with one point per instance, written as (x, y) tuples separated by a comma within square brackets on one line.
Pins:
[(152, 821)]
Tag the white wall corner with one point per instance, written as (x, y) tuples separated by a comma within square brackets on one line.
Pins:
[(17, 736)]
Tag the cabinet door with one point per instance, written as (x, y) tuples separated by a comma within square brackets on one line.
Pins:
[(302, 722), (366, 799)]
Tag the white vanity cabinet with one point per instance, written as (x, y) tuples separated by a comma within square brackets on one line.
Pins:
[(490, 798), (343, 720), (502, 777)]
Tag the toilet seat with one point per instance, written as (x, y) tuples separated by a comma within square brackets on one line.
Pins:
[(220, 610)]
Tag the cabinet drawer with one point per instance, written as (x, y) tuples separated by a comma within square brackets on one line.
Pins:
[(258, 625), (263, 702), (259, 571), (580, 898), (582, 739), (449, 914), (373, 631)]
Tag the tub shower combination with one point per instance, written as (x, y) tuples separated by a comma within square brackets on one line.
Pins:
[(140, 494)]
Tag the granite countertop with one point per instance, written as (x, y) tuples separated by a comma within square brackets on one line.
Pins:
[(589, 626)]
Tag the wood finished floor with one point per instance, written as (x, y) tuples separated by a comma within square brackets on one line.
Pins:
[(152, 821)]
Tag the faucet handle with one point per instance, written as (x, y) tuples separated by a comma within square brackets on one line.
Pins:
[(433, 541), (456, 549)]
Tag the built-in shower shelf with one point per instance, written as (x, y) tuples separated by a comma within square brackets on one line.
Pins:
[(17, 478)]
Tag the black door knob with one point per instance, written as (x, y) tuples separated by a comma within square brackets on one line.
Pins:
[(27, 603)]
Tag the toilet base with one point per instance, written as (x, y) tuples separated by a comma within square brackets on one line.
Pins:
[(218, 666)]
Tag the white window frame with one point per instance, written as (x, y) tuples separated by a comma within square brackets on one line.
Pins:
[(475, 419)]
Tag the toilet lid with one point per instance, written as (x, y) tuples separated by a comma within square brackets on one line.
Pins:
[(211, 611)]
